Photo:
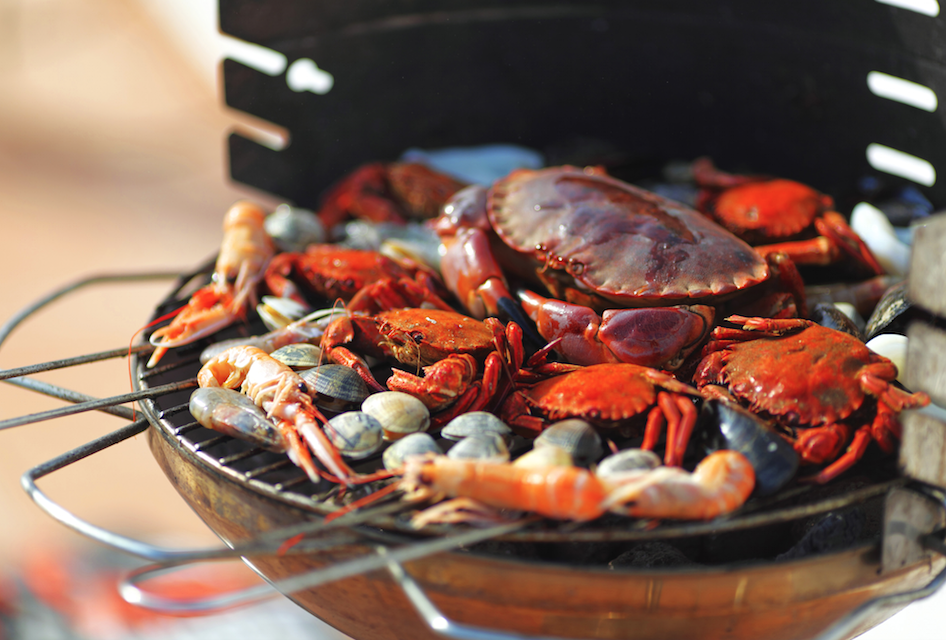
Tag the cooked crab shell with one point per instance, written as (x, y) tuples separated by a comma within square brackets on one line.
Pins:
[(399, 413), (355, 434), (335, 387)]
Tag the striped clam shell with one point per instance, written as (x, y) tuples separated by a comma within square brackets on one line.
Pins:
[(335, 387), (399, 413)]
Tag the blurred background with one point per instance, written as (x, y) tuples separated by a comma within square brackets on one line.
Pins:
[(112, 160), (112, 143)]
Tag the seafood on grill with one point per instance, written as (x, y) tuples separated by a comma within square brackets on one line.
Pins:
[(388, 192), (563, 228), (281, 393), (615, 395), (461, 358), (824, 387), (778, 215), (720, 484), (244, 255)]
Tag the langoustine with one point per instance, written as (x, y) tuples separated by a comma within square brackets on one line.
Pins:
[(245, 252), (719, 484), (278, 390)]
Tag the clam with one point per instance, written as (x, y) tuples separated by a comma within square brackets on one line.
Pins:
[(627, 460), (892, 346), (301, 355), (475, 423), (412, 444), (487, 446), (276, 312), (575, 436), (399, 413), (293, 229), (547, 456), (727, 425), (234, 414), (335, 387), (355, 434)]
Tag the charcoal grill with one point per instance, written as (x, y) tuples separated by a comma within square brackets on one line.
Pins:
[(655, 81)]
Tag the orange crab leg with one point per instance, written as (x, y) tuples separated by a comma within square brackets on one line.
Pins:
[(855, 452)]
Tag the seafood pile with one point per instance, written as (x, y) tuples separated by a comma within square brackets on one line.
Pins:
[(558, 342)]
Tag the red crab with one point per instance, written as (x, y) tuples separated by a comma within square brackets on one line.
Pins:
[(608, 396), (388, 192), (451, 349), (598, 243), (775, 214), (813, 381), (367, 280)]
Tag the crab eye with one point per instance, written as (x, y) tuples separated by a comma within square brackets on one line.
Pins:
[(417, 336), (303, 387)]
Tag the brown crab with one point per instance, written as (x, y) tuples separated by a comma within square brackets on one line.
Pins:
[(655, 268)]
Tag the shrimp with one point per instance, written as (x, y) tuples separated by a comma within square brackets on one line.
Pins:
[(244, 255), (280, 392), (721, 483)]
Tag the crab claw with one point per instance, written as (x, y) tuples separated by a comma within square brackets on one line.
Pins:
[(659, 337)]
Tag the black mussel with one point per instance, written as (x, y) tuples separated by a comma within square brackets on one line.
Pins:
[(828, 315), (894, 312), (726, 425)]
